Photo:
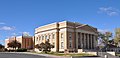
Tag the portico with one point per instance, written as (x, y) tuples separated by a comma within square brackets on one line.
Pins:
[(86, 41)]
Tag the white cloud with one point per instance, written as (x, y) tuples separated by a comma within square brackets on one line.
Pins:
[(109, 11), (14, 34), (7, 28), (103, 31), (2, 23), (25, 33)]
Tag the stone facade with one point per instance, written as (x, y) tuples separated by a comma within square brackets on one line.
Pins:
[(67, 35)]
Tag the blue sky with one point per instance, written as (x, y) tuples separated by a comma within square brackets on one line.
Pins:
[(23, 16)]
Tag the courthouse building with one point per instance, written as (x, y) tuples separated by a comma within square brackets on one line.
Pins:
[(67, 35), (26, 41)]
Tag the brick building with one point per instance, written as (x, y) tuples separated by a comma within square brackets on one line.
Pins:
[(26, 41)]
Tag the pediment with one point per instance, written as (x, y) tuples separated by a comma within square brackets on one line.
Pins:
[(88, 28)]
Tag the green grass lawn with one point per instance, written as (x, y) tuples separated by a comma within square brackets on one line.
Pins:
[(79, 54), (117, 54), (68, 54)]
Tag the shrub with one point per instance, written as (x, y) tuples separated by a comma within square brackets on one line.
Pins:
[(21, 50), (5, 49), (11, 50)]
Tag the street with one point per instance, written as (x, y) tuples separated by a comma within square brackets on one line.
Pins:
[(32, 55), (20, 55)]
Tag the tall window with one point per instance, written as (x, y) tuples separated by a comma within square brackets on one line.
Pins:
[(70, 40), (39, 38), (46, 37), (70, 36), (62, 45), (36, 38), (49, 36), (53, 44), (53, 36), (70, 44), (42, 37), (62, 37)]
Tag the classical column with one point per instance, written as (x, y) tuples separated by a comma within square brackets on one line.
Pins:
[(76, 41), (91, 40), (88, 40), (81, 40), (79, 43), (94, 41), (84, 41)]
